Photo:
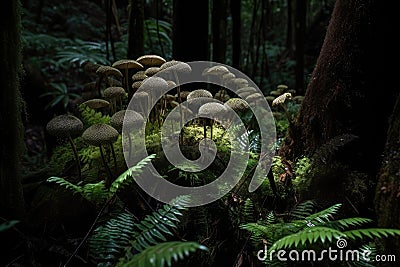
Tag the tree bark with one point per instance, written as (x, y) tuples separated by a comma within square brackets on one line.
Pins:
[(136, 29), (300, 34), (342, 99), (190, 36), (219, 16), (387, 198), (236, 33), (12, 130)]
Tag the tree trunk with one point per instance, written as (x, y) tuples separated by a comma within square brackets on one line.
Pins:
[(190, 36), (219, 30), (12, 132), (343, 100), (300, 34), (236, 33), (136, 29), (387, 204)]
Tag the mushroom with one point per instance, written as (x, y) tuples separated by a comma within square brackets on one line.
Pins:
[(139, 76), (155, 86), (67, 127), (104, 72), (114, 94), (197, 97), (212, 110), (126, 121), (151, 60), (238, 105), (151, 71), (99, 135), (126, 65), (96, 103), (280, 100)]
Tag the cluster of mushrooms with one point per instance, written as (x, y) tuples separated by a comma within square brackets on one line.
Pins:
[(116, 83)]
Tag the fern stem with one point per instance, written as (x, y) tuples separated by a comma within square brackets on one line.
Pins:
[(130, 148), (110, 178), (78, 163)]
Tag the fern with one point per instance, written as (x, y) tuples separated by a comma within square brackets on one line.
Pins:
[(155, 226), (90, 116), (120, 235), (302, 210), (109, 240), (163, 253), (97, 193)]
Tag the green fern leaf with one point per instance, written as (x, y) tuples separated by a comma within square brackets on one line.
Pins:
[(371, 232), (163, 254), (127, 177), (310, 235), (64, 183)]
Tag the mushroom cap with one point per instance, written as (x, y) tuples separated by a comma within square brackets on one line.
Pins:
[(127, 64), (151, 60), (239, 82), (217, 70), (298, 98), (178, 66), (212, 109), (270, 98), (155, 85), (282, 87), (114, 82), (237, 104), (227, 77), (96, 103), (100, 134), (221, 96), (137, 84), (275, 93), (63, 126), (107, 71), (113, 92), (128, 118), (90, 67), (281, 99), (199, 93), (184, 94), (171, 85), (151, 71), (246, 89), (254, 97), (139, 76)]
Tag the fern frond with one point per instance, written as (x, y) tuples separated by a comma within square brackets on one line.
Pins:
[(96, 193), (371, 233), (310, 235), (162, 254), (127, 177), (108, 241), (248, 211), (343, 224), (324, 215), (155, 226), (64, 183), (302, 210), (271, 219)]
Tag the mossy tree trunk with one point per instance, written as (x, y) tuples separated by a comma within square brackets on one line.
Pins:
[(190, 35), (387, 198), (345, 97), (136, 29), (11, 134)]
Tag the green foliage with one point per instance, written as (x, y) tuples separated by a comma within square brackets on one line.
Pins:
[(59, 95), (97, 193), (315, 228), (90, 116), (163, 253), (139, 241), (7, 225), (154, 38), (81, 52)]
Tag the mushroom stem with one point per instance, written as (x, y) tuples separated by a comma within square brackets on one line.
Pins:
[(127, 80), (130, 147), (110, 176), (76, 157), (286, 113), (114, 157), (178, 91)]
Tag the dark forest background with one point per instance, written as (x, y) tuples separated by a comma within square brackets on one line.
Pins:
[(338, 136)]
